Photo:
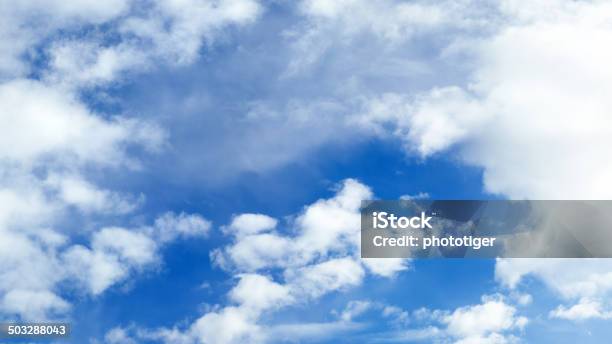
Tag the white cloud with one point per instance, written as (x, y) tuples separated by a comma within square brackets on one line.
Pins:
[(583, 310), (28, 22), (253, 295), (588, 282), (319, 256), (247, 224), (324, 229), (51, 51), (117, 252), (531, 110), (96, 270), (49, 138), (230, 325), (258, 292), (33, 304), (254, 252), (420, 195), (355, 308), (34, 264), (171, 31), (74, 190), (484, 322), (133, 247), (496, 113), (386, 267), (388, 19), (170, 226), (118, 336), (45, 125), (177, 28), (86, 63), (316, 280), (588, 277), (494, 320), (502, 120)]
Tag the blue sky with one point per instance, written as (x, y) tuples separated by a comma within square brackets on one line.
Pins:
[(190, 171)]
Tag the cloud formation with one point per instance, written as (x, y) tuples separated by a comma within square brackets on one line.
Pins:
[(35, 263), (53, 52), (317, 256)]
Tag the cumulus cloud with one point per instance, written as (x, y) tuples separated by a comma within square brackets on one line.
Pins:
[(501, 120), (49, 138), (484, 322), (118, 336), (583, 310), (51, 53), (43, 124), (27, 22), (170, 31), (525, 71), (587, 282), (325, 229), (170, 226), (247, 224), (275, 269), (34, 265), (355, 308), (78, 192), (528, 106), (494, 320)]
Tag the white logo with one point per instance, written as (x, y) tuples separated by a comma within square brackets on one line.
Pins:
[(385, 220)]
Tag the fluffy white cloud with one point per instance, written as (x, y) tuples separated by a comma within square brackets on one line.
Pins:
[(259, 292), (230, 325), (316, 280), (247, 224), (118, 336), (51, 138), (168, 31), (43, 124), (33, 304), (502, 120), (494, 320), (117, 252), (355, 308), (78, 192), (589, 277), (585, 281), (171, 31), (34, 264), (550, 130), (483, 322), (171, 226), (319, 256), (253, 295), (26, 23), (583, 310), (386, 267), (530, 107), (325, 229)]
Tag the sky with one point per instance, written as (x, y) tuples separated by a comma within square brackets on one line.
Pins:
[(191, 171)]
